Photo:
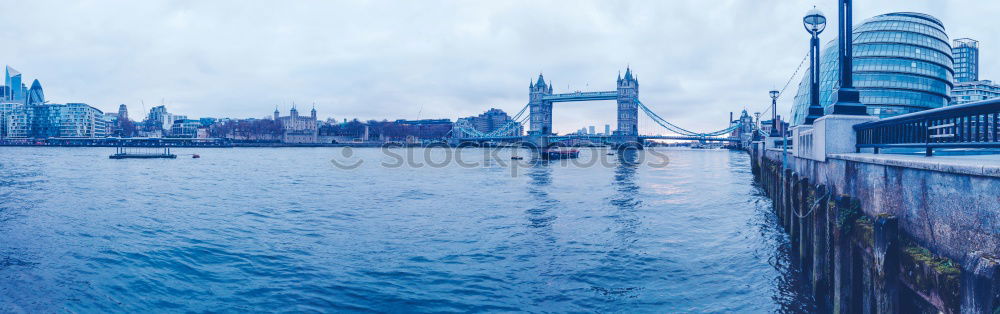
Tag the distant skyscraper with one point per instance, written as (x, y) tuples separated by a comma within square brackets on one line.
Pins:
[(122, 112), (966, 54), (607, 129), (35, 95), (15, 89), (592, 132)]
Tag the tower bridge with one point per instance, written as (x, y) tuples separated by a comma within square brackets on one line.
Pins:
[(538, 114)]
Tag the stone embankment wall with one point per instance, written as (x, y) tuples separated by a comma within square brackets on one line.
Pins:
[(883, 238)]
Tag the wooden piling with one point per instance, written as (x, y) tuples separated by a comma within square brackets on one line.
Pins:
[(843, 250), (981, 284), (886, 262), (821, 271)]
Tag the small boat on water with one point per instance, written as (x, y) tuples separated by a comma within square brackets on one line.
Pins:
[(558, 153)]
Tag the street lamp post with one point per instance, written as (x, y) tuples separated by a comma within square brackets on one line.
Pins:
[(847, 99), (757, 124), (815, 23), (774, 113)]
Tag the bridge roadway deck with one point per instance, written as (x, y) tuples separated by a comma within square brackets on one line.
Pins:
[(581, 96), (606, 139)]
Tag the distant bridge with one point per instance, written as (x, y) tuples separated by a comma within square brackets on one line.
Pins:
[(538, 113)]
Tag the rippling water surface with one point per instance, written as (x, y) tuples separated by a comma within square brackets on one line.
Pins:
[(283, 230)]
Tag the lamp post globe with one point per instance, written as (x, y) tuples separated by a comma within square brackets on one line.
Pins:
[(815, 23)]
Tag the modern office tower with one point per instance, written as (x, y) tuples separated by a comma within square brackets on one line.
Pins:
[(159, 119), (902, 64), (15, 88), (35, 95), (965, 51), (968, 87), (591, 130), (122, 112), (607, 129)]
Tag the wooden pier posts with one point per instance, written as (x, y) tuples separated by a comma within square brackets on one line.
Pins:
[(857, 263), (821, 257), (981, 284), (886, 262)]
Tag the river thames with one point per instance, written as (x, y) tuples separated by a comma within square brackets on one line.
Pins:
[(283, 229)]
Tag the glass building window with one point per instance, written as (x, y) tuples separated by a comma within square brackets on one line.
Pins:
[(903, 63)]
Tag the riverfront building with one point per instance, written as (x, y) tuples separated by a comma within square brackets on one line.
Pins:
[(966, 92), (966, 54), (493, 120), (24, 113), (902, 64), (968, 86), (297, 129)]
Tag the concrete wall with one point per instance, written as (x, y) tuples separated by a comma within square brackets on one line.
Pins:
[(950, 210), (890, 233)]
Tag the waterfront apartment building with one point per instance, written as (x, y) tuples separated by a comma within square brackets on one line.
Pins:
[(902, 64), (493, 120), (966, 92), (24, 114), (71, 120), (15, 120), (965, 51)]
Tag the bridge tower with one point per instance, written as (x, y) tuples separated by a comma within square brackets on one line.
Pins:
[(541, 110), (628, 106)]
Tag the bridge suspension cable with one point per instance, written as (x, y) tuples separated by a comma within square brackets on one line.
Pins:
[(679, 130), (789, 82)]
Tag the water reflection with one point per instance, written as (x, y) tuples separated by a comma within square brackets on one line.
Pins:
[(539, 216), (626, 199)]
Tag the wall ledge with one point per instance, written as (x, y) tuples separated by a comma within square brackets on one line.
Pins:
[(977, 165)]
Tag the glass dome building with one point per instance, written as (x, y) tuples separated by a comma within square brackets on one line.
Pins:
[(902, 64)]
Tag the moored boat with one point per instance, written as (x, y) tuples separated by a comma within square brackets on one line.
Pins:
[(558, 153)]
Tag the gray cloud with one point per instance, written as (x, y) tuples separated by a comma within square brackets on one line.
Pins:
[(696, 60)]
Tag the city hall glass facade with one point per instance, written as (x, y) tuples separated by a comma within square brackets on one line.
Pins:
[(902, 64)]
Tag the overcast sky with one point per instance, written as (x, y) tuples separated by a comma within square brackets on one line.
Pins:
[(696, 60)]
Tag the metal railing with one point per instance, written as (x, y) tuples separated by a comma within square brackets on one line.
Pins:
[(972, 125)]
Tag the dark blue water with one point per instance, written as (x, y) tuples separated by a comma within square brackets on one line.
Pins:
[(283, 230)]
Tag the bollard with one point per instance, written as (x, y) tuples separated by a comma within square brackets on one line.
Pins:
[(886, 261), (980, 285), (843, 257)]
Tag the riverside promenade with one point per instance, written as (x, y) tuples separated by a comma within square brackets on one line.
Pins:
[(892, 233)]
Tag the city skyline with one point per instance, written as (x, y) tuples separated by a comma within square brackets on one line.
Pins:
[(449, 62)]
